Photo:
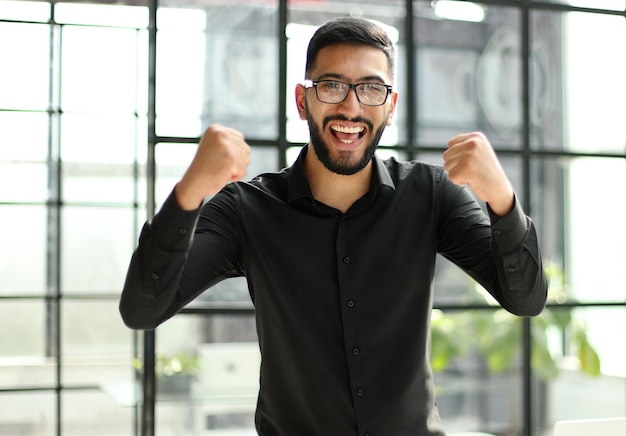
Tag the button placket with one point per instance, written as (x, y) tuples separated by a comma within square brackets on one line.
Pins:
[(345, 262)]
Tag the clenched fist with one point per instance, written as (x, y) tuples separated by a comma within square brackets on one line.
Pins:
[(222, 156), (471, 160)]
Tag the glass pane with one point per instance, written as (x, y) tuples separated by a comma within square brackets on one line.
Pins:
[(23, 267), (23, 359), (292, 154), (591, 47), (234, 290), (100, 169), (304, 19), (548, 208), (100, 350), (298, 36), (174, 418), (24, 79), (179, 89), (586, 249), (218, 357), (477, 370), (84, 411), (386, 153), (24, 10), (103, 15), (241, 39), (97, 243), (32, 414), (469, 76), (576, 72), (262, 160), (24, 136), (548, 67), (215, 86), (585, 350), (114, 144), (98, 182), (616, 5), (99, 68), (594, 276), (171, 161), (445, 109), (29, 182)]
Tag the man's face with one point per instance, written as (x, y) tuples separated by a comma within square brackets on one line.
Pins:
[(345, 135)]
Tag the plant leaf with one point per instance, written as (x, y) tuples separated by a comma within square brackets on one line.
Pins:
[(501, 347), (589, 359), (446, 343), (541, 361)]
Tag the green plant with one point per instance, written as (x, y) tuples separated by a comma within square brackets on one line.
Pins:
[(496, 335), (167, 365)]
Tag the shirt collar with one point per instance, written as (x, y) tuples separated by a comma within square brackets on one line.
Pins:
[(298, 186)]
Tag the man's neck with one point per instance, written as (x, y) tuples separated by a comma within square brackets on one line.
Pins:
[(332, 189)]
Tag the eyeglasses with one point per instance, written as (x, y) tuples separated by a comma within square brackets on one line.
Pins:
[(333, 91)]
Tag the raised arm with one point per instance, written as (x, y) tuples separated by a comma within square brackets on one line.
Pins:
[(501, 252), (152, 290)]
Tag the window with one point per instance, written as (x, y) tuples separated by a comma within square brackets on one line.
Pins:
[(100, 119)]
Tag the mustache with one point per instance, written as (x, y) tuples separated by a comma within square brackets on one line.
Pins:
[(339, 117)]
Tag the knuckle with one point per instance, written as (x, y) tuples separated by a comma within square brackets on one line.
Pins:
[(214, 129)]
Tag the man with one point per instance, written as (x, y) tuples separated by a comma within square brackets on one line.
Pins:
[(338, 250)]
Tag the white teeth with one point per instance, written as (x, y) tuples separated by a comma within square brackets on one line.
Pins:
[(344, 129)]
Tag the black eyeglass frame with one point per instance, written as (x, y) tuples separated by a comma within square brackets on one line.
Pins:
[(313, 84)]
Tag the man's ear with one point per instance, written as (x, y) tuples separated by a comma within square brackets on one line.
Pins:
[(301, 100), (392, 108)]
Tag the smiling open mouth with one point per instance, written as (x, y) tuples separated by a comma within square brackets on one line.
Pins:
[(347, 135)]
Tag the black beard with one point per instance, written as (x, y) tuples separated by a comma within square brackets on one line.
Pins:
[(342, 166)]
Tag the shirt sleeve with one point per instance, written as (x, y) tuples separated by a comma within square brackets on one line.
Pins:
[(500, 253), (179, 255), (515, 250), (156, 264)]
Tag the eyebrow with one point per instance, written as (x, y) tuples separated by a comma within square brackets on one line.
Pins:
[(371, 78)]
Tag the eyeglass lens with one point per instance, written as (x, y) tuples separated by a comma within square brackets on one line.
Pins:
[(370, 94)]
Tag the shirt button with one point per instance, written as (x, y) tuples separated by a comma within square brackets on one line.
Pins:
[(511, 269), (155, 276), (346, 259), (350, 304), (355, 351), (360, 392), (182, 231)]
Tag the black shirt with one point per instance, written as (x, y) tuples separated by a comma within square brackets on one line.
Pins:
[(342, 300)]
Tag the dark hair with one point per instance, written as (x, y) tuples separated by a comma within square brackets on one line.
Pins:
[(356, 31)]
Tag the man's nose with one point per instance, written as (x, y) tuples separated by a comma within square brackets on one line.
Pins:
[(351, 102)]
